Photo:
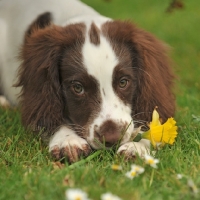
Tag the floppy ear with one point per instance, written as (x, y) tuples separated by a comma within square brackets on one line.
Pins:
[(151, 67), (155, 78), (41, 97)]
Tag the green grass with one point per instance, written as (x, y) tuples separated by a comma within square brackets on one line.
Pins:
[(27, 172)]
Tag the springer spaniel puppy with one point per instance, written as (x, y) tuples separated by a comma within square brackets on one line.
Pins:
[(86, 81)]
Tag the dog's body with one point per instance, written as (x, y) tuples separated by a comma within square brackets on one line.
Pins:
[(85, 80)]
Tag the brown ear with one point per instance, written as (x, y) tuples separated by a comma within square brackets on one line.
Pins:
[(42, 21), (152, 68), (41, 97), (155, 80)]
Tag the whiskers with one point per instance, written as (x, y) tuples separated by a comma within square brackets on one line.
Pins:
[(140, 122)]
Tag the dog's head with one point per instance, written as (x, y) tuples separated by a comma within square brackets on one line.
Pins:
[(102, 81)]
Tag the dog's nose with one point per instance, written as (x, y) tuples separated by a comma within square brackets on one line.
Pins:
[(109, 133)]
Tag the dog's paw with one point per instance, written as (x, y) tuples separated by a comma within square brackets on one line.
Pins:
[(66, 144), (132, 149), (4, 102)]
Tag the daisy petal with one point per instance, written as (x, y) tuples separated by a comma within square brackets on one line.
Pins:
[(76, 194), (109, 196)]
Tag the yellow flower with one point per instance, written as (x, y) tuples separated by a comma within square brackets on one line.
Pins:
[(161, 133), (116, 167)]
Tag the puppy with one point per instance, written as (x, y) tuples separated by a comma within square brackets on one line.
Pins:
[(85, 81)]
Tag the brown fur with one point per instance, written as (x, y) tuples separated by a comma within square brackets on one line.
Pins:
[(42, 103), (94, 34), (152, 67)]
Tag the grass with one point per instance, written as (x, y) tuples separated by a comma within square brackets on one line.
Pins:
[(27, 171)]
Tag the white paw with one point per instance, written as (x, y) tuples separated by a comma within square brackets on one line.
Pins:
[(4, 102), (131, 149), (66, 144)]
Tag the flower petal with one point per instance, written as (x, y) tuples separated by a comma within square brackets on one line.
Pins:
[(109, 196), (116, 167), (163, 134), (155, 119)]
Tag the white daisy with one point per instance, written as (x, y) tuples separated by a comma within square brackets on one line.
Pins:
[(76, 194), (151, 161), (135, 171), (179, 176), (137, 168), (109, 196), (131, 174)]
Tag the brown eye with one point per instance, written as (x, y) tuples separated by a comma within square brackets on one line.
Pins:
[(78, 88), (123, 83)]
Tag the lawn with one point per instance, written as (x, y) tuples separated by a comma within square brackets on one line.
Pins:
[(27, 172)]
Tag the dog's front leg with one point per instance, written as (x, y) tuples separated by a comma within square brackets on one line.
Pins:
[(65, 143), (131, 149)]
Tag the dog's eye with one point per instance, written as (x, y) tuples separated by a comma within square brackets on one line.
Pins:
[(78, 88), (123, 83)]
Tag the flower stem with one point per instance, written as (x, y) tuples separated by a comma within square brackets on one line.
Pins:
[(138, 137), (151, 179)]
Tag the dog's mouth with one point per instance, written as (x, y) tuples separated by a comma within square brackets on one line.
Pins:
[(111, 141), (102, 145), (97, 144), (109, 145)]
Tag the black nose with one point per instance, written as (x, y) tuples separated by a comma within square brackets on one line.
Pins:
[(109, 133)]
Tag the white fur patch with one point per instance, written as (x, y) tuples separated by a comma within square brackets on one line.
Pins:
[(100, 62), (140, 148), (4, 102), (66, 137)]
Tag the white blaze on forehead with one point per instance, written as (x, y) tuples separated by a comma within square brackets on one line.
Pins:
[(100, 61)]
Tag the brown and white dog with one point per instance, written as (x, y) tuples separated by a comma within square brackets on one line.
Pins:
[(86, 81)]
